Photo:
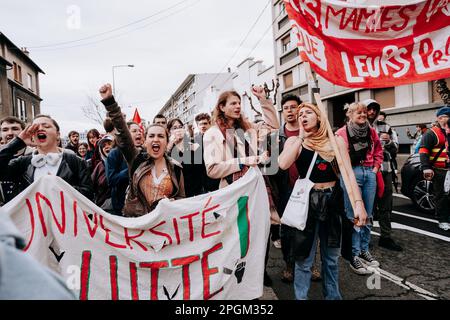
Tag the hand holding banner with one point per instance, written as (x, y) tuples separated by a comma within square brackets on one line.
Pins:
[(206, 247)]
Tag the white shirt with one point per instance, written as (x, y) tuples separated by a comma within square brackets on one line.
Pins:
[(47, 169)]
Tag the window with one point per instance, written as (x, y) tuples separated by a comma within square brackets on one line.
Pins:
[(33, 111), (303, 90), (286, 44), (283, 22), (30, 81), (17, 72), (288, 80), (288, 57), (385, 97), (21, 110)]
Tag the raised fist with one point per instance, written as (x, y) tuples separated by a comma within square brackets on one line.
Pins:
[(239, 272), (106, 91), (259, 92)]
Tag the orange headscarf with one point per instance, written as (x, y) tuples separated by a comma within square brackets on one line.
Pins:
[(319, 141)]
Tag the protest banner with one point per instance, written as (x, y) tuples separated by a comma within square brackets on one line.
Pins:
[(368, 46), (206, 247)]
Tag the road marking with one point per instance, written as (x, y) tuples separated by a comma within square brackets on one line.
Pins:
[(402, 283), (396, 225), (398, 195), (415, 217), (427, 233), (407, 285)]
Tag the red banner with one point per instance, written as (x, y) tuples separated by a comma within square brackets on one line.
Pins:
[(369, 46)]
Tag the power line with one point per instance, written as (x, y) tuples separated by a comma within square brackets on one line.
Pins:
[(109, 31), (249, 54), (239, 47), (255, 46), (122, 34)]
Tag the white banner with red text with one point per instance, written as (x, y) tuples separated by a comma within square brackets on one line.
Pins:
[(206, 247), (372, 44)]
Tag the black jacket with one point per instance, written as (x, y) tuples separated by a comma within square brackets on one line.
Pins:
[(326, 210), (118, 179), (194, 170), (72, 147), (280, 180), (72, 169), (9, 189)]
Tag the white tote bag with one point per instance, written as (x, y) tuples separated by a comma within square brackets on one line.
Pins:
[(296, 211)]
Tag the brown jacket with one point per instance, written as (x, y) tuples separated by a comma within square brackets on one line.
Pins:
[(139, 164), (218, 157)]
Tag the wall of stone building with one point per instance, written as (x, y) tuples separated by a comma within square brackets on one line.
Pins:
[(5, 98), (26, 69), (6, 107)]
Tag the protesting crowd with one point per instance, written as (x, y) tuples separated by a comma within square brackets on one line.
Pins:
[(127, 170)]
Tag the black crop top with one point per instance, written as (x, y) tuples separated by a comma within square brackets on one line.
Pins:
[(322, 170)]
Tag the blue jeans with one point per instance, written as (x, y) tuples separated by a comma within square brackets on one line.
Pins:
[(330, 269), (367, 183)]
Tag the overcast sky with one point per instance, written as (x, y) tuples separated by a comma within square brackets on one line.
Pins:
[(192, 36)]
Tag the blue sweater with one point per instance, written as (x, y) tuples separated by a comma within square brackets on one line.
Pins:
[(117, 174)]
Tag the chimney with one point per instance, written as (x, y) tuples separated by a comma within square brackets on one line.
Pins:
[(24, 50)]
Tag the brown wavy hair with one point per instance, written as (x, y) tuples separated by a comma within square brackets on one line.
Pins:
[(219, 117)]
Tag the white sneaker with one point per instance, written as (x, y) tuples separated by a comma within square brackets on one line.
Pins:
[(444, 226), (277, 244)]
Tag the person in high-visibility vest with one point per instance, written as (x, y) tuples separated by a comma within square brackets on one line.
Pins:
[(435, 164)]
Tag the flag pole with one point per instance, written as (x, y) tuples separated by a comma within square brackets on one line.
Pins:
[(324, 117)]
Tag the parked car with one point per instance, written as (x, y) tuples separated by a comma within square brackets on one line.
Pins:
[(415, 187)]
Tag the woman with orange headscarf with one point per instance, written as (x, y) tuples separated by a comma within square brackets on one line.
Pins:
[(325, 206)]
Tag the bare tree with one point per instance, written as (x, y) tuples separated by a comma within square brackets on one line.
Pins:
[(268, 91), (94, 110), (274, 89), (251, 103)]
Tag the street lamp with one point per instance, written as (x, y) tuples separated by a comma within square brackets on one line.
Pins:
[(119, 66)]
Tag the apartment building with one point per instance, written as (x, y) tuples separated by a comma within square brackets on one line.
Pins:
[(252, 72), (19, 82), (198, 93)]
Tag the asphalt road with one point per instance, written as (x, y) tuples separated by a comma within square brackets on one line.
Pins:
[(420, 271)]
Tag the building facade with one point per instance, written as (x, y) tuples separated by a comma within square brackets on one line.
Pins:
[(19, 82), (198, 93), (252, 72), (405, 105)]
